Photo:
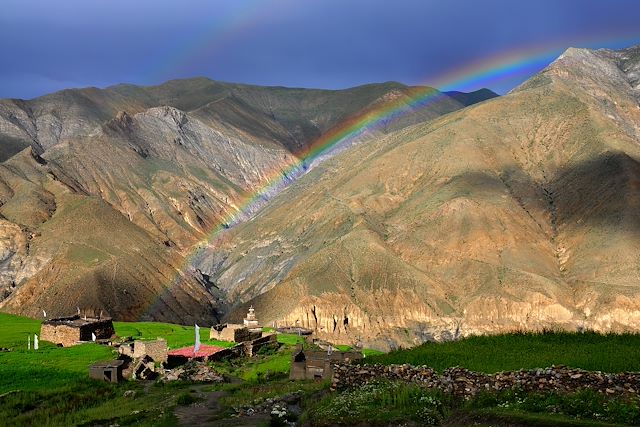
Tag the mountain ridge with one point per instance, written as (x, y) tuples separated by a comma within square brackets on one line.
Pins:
[(153, 170)]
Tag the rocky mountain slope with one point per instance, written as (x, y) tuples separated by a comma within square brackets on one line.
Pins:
[(518, 213), (105, 192)]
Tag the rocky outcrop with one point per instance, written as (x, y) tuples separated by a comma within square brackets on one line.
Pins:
[(13, 253)]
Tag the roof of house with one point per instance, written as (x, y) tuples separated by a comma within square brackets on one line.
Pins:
[(108, 364), (74, 321), (205, 350)]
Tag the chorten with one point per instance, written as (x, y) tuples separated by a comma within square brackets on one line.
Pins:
[(250, 321)]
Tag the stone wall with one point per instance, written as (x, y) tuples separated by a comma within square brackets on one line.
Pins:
[(245, 334), (226, 334), (235, 332), (60, 334), (313, 364), (465, 383), (156, 350), (71, 330), (252, 347)]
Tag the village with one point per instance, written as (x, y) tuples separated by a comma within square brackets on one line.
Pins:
[(150, 359)]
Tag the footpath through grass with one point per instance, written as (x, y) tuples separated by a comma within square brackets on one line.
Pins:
[(510, 352)]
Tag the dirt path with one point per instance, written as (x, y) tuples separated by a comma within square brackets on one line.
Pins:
[(208, 411)]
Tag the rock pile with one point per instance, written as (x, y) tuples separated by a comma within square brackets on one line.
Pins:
[(192, 371), (289, 403), (465, 383)]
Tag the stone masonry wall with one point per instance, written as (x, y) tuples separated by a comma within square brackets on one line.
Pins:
[(226, 334), (252, 347), (156, 349), (60, 334), (465, 383), (67, 333)]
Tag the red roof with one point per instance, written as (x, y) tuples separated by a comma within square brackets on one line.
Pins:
[(205, 351)]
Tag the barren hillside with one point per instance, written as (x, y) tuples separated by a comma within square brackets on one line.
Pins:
[(519, 213), (105, 192)]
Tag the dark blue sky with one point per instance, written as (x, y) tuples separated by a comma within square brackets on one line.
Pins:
[(50, 45)]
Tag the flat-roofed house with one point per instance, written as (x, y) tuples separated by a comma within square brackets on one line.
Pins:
[(69, 331)]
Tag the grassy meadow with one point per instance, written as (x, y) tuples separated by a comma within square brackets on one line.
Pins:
[(591, 351)]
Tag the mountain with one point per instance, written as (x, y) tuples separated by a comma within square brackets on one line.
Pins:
[(522, 212), (470, 98), (105, 194)]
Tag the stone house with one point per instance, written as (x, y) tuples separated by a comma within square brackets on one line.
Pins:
[(110, 371), (249, 330), (156, 349), (318, 364), (69, 331)]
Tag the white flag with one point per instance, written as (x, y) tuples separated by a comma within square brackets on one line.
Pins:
[(93, 336), (196, 347), (35, 341)]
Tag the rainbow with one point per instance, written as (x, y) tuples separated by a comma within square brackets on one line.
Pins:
[(238, 20), (505, 65)]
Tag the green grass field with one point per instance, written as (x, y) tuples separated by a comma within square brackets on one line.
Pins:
[(490, 354), (49, 367)]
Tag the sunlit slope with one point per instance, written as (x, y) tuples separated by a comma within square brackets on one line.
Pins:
[(518, 213), (73, 250)]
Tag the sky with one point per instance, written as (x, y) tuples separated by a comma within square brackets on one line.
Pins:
[(50, 45)]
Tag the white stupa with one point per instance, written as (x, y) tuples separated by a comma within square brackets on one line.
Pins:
[(250, 321)]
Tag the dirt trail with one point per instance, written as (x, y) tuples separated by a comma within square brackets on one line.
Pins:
[(208, 411)]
